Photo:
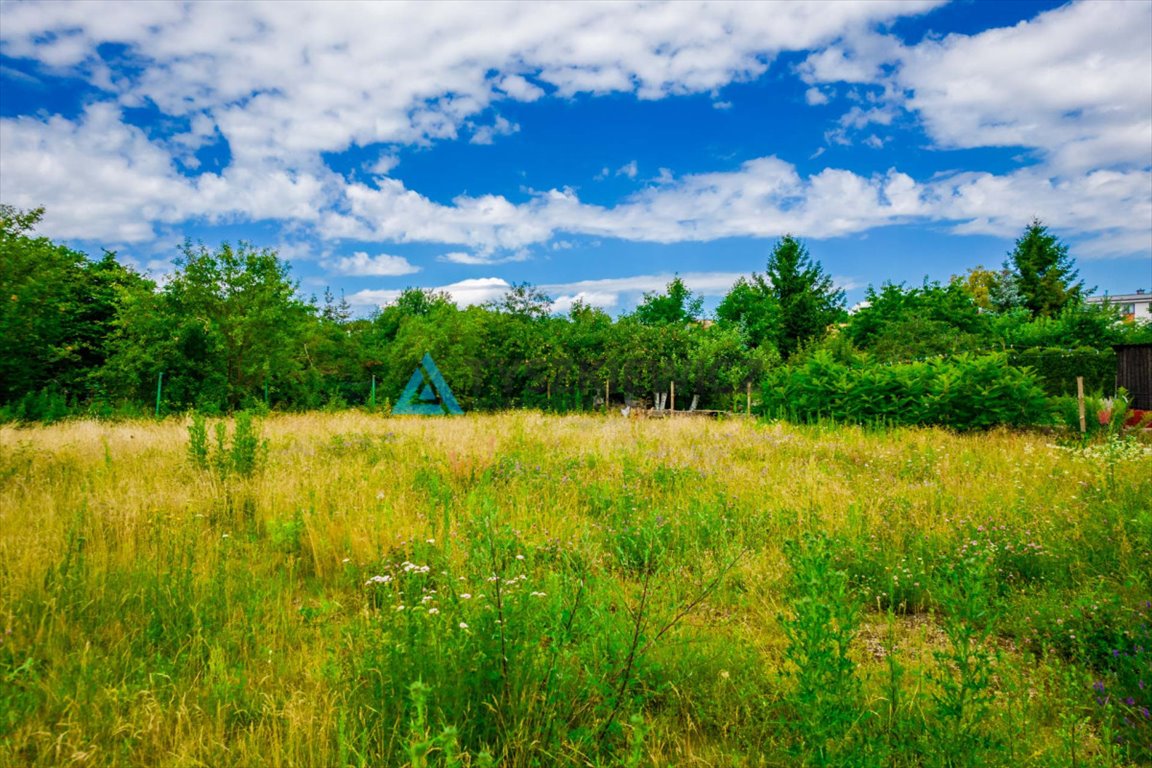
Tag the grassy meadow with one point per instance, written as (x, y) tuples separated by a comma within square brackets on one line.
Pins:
[(525, 590)]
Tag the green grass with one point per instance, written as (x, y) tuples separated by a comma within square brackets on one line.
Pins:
[(519, 590)]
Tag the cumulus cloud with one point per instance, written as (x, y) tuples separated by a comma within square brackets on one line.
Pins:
[(281, 84), (361, 264), (1074, 84), (464, 293), (763, 198), (604, 300), (486, 134), (102, 178), (815, 97), (289, 80)]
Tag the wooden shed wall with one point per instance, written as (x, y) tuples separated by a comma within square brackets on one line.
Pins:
[(1134, 373)]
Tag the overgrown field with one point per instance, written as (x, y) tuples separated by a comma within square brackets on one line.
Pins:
[(520, 590)]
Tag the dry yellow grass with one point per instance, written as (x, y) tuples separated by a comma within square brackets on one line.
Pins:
[(97, 520)]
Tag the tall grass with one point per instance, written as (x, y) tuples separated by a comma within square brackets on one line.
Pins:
[(347, 589)]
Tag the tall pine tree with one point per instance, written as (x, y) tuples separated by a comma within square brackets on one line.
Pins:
[(807, 299), (1043, 272)]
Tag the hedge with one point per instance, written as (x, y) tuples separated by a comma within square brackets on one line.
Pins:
[(964, 392), (1057, 369)]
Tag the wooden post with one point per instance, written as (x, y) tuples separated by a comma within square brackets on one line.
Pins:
[(748, 406), (1080, 402), (673, 386)]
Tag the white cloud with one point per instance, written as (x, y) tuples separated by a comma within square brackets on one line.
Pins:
[(476, 290), (98, 178), (372, 298), (1110, 210), (361, 264), (815, 97), (604, 300), (486, 134), (483, 258), (283, 83), (464, 293), (861, 57), (1074, 84), (629, 169), (702, 283), (288, 81), (384, 164), (764, 198)]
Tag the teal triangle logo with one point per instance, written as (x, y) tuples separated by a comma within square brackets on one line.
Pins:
[(427, 394)]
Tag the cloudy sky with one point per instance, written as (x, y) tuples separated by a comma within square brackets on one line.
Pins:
[(591, 149)]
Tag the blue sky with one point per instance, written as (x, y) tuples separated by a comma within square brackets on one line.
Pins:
[(593, 150)]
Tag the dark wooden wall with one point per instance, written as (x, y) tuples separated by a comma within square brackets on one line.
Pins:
[(1134, 373)]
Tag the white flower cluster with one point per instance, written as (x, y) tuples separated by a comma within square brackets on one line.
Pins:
[(1116, 449)]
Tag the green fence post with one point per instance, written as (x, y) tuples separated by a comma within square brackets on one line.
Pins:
[(159, 389), (372, 397)]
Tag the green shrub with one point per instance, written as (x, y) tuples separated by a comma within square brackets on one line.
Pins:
[(963, 392)]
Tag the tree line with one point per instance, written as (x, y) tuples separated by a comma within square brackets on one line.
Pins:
[(229, 329)]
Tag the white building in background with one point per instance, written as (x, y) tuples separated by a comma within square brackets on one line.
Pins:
[(1134, 306)]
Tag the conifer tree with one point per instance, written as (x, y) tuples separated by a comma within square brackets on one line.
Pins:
[(807, 299), (1043, 272)]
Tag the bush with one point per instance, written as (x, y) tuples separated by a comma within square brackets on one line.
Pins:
[(964, 392)]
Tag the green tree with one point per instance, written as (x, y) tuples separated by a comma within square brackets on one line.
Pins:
[(57, 311), (751, 307), (675, 306), (587, 337), (1043, 272), (809, 303), (900, 323), (227, 325), (412, 302)]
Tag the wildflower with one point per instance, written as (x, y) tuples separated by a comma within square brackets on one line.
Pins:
[(346, 560), (431, 541), (463, 625), (400, 607), (519, 557), (539, 594), (433, 611), (465, 596)]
